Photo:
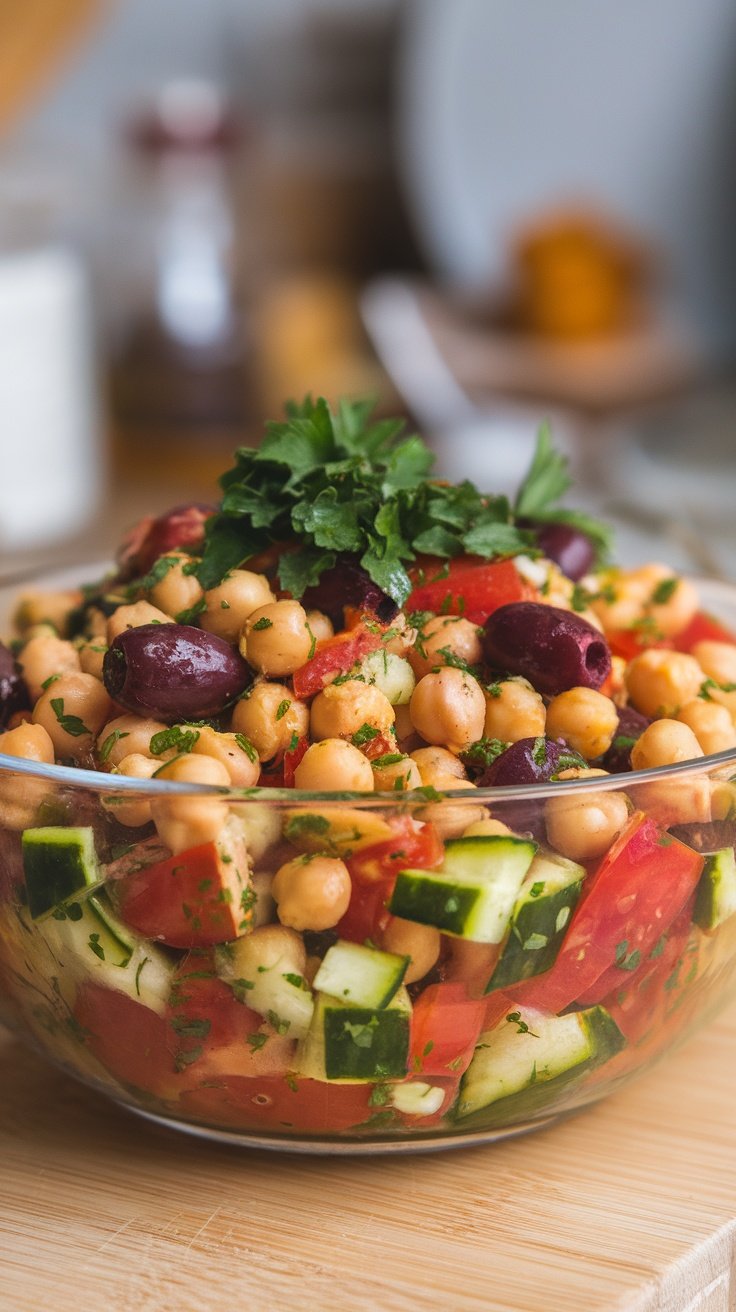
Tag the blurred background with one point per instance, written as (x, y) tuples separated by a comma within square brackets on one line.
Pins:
[(481, 214)]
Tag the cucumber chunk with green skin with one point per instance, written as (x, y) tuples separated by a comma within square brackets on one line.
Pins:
[(546, 901), (473, 894), (276, 991), (715, 898), (89, 942), (528, 1050), (357, 1044), (59, 865), (361, 975)]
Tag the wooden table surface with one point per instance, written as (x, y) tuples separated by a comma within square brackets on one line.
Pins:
[(629, 1205)]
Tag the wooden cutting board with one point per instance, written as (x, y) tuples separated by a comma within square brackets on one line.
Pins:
[(629, 1205)]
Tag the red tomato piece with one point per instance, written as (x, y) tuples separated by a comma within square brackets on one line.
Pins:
[(469, 586), (640, 1005), (702, 628), (128, 1039), (629, 643), (415, 845), (445, 1025), (373, 873), (190, 900), (210, 1032), (292, 757), (633, 897), (280, 1103), (335, 656)]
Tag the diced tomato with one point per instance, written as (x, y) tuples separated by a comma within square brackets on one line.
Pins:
[(292, 757), (469, 586), (373, 873), (210, 1032), (629, 643), (702, 628), (336, 656), (128, 1039), (415, 845), (633, 897), (282, 1103), (190, 900), (640, 1004), (445, 1025)]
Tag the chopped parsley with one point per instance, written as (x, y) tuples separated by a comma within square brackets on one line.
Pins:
[(282, 708), (182, 740), (263, 623), (664, 591), (71, 724), (110, 741), (246, 746), (365, 734)]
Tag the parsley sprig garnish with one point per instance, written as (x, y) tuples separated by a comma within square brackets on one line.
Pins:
[(324, 484)]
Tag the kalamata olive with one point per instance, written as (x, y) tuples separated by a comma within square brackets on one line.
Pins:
[(348, 584), (13, 691), (631, 725), (173, 672), (182, 526), (554, 649), (529, 761), (568, 547)]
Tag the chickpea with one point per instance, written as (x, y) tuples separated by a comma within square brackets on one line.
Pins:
[(717, 660), (264, 908), (711, 724), (321, 625), (189, 820), (676, 801), (134, 617), (471, 964), (91, 656), (232, 601), (514, 710), (437, 762), (586, 719), (271, 947), (340, 710), (659, 682), (397, 776), (276, 638), (489, 828), (179, 589), (448, 708), (132, 812), (406, 735), (72, 710), (665, 742), (312, 892), (52, 608), (618, 603), (131, 736), (679, 602), (451, 819), (243, 769), (20, 797), (42, 658), (582, 826), (419, 942), (333, 765), (441, 635), (269, 716)]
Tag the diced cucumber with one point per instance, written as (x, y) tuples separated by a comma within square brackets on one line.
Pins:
[(356, 1044), (715, 899), (417, 1098), (59, 865), (472, 895), (391, 674), (360, 975), (539, 919), (89, 942), (529, 1049), (276, 991)]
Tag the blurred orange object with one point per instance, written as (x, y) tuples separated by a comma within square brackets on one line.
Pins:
[(34, 34), (576, 277)]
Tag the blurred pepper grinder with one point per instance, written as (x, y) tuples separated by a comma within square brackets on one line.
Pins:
[(181, 384)]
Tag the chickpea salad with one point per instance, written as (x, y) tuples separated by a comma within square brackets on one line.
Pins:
[(401, 954)]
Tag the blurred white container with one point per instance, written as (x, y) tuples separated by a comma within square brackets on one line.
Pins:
[(50, 450)]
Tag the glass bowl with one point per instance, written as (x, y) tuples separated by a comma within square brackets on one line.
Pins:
[(554, 975)]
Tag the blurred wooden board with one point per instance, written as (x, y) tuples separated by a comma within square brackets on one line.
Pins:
[(34, 35), (630, 1206)]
